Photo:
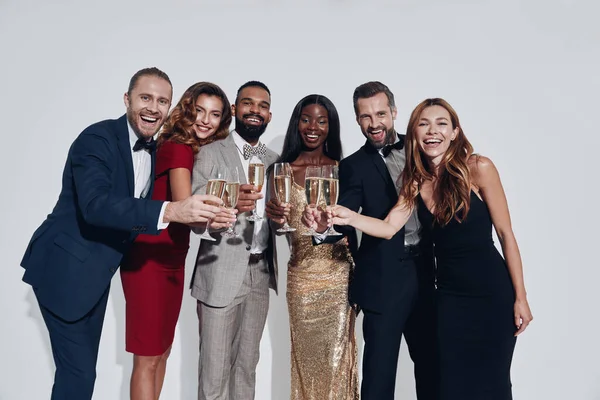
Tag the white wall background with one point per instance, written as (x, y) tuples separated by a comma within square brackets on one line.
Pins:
[(523, 76)]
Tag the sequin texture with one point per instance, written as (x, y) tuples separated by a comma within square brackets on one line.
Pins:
[(324, 353)]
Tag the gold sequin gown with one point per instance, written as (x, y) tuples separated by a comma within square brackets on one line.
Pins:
[(324, 354)]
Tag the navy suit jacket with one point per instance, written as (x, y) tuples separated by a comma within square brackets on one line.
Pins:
[(73, 255)]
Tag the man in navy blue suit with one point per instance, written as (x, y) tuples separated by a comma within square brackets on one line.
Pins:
[(104, 203)]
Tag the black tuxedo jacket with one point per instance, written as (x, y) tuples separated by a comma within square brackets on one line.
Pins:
[(365, 184)]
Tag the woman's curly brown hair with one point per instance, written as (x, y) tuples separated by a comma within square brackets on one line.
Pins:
[(178, 127)]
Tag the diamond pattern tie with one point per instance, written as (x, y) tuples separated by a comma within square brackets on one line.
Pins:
[(259, 151)]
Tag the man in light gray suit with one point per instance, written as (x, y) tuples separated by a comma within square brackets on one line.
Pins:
[(232, 276)]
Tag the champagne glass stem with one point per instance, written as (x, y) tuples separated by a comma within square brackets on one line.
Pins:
[(286, 227), (206, 234), (230, 232)]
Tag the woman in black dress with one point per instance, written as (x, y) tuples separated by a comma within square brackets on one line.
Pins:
[(481, 299)]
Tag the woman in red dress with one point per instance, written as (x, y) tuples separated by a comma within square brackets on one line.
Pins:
[(153, 272)]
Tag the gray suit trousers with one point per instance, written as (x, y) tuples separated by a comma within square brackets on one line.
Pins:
[(230, 338)]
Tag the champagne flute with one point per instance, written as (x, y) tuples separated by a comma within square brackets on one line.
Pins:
[(283, 186), (215, 186), (312, 190), (230, 198), (256, 177), (330, 191)]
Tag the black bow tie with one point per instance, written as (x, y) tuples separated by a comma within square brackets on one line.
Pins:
[(399, 145), (144, 144)]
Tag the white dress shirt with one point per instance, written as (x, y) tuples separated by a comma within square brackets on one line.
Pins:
[(260, 239), (142, 169)]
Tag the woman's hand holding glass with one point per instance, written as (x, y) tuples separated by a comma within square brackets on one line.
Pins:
[(312, 190)]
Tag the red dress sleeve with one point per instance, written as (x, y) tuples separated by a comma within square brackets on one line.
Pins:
[(172, 155)]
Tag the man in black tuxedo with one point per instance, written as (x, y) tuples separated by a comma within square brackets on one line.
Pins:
[(393, 281)]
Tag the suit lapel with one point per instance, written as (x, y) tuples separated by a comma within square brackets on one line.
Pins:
[(152, 174), (232, 157), (379, 165), (382, 168), (271, 157), (125, 150)]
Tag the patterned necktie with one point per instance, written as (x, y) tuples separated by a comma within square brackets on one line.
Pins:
[(144, 144), (259, 151)]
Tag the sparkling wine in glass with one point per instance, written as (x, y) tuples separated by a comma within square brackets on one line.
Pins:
[(330, 189), (216, 187), (312, 190), (256, 177), (282, 173), (230, 198)]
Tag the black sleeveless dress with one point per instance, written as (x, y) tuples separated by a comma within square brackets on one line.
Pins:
[(475, 300)]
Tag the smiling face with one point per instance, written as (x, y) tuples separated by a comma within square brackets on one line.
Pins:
[(434, 133), (148, 105), (252, 112), (376, 119), (313, 126), (209, 111)]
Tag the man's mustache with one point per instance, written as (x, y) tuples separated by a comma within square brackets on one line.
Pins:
[(261, 119)]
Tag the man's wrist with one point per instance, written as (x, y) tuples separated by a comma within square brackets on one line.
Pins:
[(168, 214), (162, 221)]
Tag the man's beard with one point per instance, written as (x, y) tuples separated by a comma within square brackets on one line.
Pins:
[(389, 137), (132, 118), (250, 131)]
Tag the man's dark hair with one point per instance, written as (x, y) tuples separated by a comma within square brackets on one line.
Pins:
[(371, 89), (251, 84)]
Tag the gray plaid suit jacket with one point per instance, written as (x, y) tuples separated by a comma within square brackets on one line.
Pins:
[(221, 265)]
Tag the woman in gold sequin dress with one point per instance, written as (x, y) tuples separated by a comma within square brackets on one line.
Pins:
[(324, 354)]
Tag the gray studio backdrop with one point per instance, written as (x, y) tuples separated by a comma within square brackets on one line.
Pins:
[(523, 77)]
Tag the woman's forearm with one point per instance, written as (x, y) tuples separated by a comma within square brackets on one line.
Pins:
[(387, 228), (512, 255), (373, 226)]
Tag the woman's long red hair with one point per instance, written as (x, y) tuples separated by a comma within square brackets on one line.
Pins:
[(452, 191)]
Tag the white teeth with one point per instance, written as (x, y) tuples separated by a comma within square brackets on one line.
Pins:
[(312, 136), (148, 119), (430, 141), (253, 120)]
